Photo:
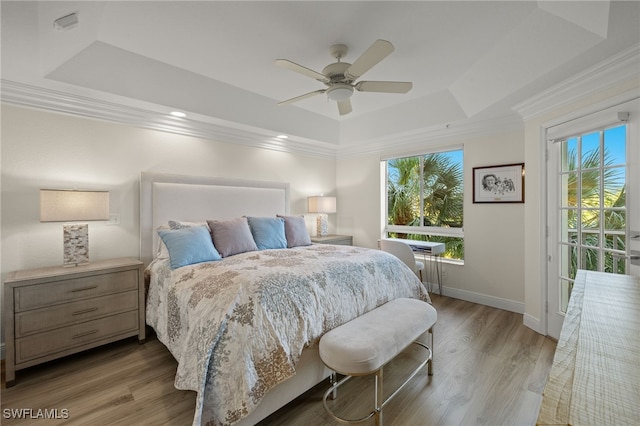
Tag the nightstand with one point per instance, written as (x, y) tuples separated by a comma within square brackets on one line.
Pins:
[(343, 240), (57, 311)]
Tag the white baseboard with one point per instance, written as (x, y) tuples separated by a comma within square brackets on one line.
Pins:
[(483, 299), (495, 302), (534, 323)]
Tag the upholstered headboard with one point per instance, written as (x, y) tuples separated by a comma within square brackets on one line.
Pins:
[(165, 197)]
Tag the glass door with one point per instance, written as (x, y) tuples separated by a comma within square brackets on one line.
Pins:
[(588, 208), (592, 209)]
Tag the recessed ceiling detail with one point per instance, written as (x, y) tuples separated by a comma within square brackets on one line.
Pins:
[(465, 60)]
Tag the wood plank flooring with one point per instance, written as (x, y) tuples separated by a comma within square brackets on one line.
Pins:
[(489, 369)]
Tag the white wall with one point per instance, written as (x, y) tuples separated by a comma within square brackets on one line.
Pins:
[(493, 270), (48, 150)]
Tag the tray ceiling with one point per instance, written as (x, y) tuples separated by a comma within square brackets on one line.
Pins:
[(215, 60)]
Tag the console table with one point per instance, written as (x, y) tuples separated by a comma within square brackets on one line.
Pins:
[(595, 375)]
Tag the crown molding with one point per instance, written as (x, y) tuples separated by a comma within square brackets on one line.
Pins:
[(149, 116), (617, 68), (146, 117), (624, 65), (416, 140)]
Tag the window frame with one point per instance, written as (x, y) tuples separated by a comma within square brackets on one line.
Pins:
[(421, 229)]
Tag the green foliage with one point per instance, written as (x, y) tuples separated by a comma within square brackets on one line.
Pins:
[(443, 192), (441, 182), (402, 187), (584, 187)]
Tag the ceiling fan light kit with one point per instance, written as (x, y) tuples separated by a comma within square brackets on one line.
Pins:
[(339, 92), (339, 77)]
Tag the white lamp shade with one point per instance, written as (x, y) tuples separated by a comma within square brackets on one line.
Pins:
[(68, 205), (321, 204)]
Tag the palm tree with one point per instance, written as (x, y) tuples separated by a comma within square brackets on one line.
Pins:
[(402, 190), (442, 197), (443, 194), (613, 219)]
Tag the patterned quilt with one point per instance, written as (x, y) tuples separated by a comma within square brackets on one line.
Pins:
[(237, 327)]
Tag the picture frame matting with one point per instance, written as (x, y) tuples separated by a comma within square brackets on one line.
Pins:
[(499, 184)]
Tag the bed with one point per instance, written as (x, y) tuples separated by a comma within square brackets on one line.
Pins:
[(244, 328)]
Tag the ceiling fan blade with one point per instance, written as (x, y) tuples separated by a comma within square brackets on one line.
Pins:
[(284, 63), (384, 86), (344, 107), (379, 50), (301, 97)]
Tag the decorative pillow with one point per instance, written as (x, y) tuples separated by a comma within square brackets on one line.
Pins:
[(232, 236), (161, 251), (181, 224), (295, 230), (189, 245), (268, 232)]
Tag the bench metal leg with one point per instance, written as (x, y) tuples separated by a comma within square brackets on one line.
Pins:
[(379, 401), (332, 391), (333, 381), (430, 366), (378, 398)]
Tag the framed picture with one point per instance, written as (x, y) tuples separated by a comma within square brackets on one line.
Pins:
[(499, 184)]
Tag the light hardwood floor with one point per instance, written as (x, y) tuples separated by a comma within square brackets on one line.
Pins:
[(489, 370)]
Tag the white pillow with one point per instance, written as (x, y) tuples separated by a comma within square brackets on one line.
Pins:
[(181, 224), (161, 251)]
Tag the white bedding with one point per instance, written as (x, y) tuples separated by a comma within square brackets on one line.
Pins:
[(238, 326)]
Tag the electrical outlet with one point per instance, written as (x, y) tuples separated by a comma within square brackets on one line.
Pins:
[(114, 219)]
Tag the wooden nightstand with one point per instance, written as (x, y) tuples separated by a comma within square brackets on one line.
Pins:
[(343, 240), (57, 311)]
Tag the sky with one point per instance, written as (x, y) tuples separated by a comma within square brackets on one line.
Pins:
[(614, 143)]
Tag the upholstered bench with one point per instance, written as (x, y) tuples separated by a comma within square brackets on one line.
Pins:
[(364, 345)]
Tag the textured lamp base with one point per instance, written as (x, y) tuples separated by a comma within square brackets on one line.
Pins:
[(76, 245), (322, 225)]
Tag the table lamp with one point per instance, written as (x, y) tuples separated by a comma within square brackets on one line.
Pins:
[(322, 205), (57, 205)]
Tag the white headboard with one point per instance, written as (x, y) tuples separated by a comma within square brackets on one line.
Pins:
[(165, 197)]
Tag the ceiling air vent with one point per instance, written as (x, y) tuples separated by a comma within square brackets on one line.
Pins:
[(66, 22)]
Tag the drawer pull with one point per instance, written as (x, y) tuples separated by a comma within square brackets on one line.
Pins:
[(87, 333), (84, 311), (75, 290)]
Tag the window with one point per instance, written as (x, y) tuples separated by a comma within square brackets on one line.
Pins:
[(424, 199)]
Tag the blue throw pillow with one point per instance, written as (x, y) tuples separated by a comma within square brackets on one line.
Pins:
[(189, 245), (268, 232)]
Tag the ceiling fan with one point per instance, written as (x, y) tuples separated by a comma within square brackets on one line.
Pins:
[(340, 77)]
